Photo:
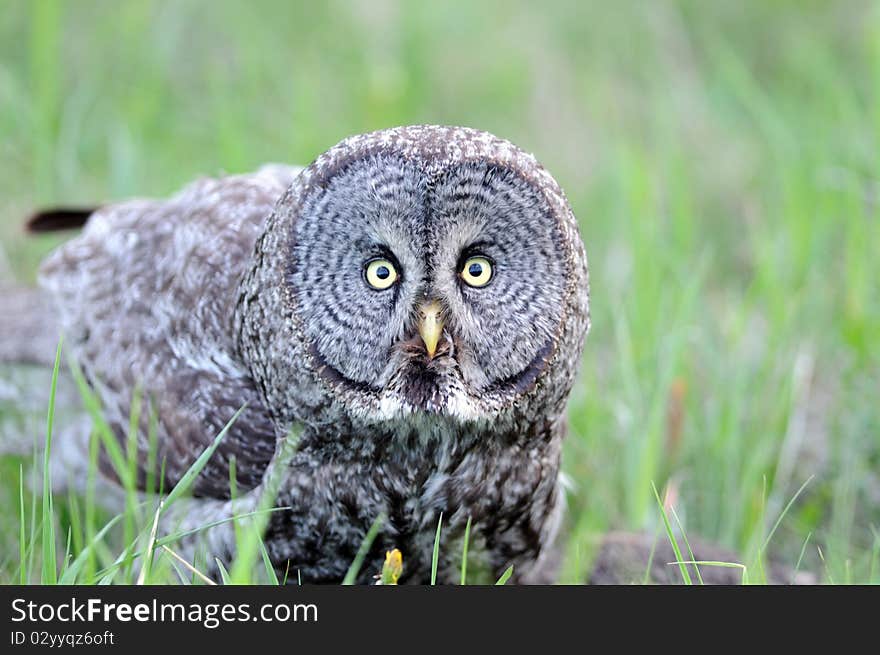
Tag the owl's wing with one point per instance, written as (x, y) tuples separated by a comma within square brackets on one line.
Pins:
[(145, 298)]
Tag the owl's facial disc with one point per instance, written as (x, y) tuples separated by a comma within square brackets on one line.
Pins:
[(428, 291)]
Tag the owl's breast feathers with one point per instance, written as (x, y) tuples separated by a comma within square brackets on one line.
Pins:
[(504, 478)]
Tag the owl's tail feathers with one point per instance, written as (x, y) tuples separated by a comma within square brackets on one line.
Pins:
[(59, 218)]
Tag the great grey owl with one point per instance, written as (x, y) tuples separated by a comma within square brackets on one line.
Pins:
[(412, 305)]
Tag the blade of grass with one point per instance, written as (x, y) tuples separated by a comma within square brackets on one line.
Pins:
[(193, 471), (270, 570), (723, 565), (127, 556), (132, 518), (91, 506), (759, 563), (684, 572), (179, 573), (366, 544), (224, 574), (77, 530), (784, 512), (35, 469), (825, 564), (464, 551), (803, 550), (147, 557), (505, 577), (22, 539), (68, 544), (177, 536), (247, 548), (172, 538), (686, 543), (192, 569), (435, 554), (233, 497), (99, 425), (49, 571), (150, 485), (69, 576)]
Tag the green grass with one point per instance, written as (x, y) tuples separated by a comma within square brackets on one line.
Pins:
[(722, 159)]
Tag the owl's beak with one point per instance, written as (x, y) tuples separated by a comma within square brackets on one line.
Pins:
[(430, 326)]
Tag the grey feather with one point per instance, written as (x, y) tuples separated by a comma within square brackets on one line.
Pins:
[(28, 327), (251, 291)]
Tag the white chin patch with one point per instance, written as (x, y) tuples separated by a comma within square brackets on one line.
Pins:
[(392, 406)]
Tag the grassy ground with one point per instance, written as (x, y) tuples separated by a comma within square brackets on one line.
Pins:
[(722, 159)]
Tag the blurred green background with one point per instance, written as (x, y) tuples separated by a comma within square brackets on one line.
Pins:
[(722, 158)]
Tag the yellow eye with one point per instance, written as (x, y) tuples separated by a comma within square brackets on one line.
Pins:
[(380, 273), (477, 271)]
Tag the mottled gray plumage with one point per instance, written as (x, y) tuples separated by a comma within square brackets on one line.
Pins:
[(251, 290)]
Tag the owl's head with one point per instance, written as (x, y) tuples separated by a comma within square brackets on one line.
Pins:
[(422, 270)]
